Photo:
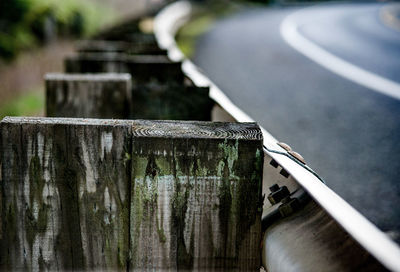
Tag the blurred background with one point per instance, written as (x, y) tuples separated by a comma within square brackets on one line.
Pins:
[(35, 36)]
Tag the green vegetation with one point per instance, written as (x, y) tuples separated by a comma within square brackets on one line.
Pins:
[(187, 36), (26, 23), (27, 104), (202, 20)]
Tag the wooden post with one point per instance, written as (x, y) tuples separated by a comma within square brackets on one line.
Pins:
[(117, 32), (104, 96), (171, 102), (127, 32), (66, 195), (104, 194), (158, 89), (107, 62), (196, 196), (144, 69), (101, 46)]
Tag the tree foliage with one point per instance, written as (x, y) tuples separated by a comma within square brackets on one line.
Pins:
[(26, 23)]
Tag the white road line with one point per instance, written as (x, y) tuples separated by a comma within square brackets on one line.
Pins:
[(289, 31)]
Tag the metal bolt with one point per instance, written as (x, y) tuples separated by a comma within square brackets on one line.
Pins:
[(274, 188), (289, 206), (297, 156), (277, 194), (274, 163), (286, 200), (285, 146), (284, 173)]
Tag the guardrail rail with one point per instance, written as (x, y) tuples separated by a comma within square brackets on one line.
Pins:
[(366, 234)]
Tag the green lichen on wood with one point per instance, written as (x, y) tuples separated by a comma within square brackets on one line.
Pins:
[(161, 233), (179, 207), (190, 162), (230, 154), (136, 215), (127, 158), (150, 183), (226, 172), (239, 192), (136, 206), (104, 210), (123, 237), (249, 200), (144, 205), (178, 213), (163, 165), (160, 164)]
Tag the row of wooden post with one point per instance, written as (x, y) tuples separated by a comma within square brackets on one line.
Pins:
[(114, 193)]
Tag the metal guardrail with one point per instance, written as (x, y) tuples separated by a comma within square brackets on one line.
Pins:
[(377, 243)]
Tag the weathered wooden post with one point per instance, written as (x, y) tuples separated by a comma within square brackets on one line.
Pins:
[(196, 195), (108, 194), (65, 194), (143, 68), (99, 46), (158, 88), (118, 32), (171, 101), (154, 69), (127, 33), (106, 62), (89, 95)]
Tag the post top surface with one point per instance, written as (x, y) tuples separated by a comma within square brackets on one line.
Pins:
[(197, 129), (155, 128), (88, 77), (121, 57)]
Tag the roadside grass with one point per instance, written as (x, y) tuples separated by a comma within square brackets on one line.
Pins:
[(203, 18), (187, 36), (30, 103)]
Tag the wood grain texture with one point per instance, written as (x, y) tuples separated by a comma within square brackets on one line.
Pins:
[(116, 195), (65, 195), (104, 96), (196, 129)]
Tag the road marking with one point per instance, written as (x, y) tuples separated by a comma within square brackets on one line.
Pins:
[(290, 33)]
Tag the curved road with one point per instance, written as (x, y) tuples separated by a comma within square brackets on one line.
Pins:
[(348, 132)]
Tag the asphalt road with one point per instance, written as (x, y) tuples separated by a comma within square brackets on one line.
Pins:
[(347, 132)]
